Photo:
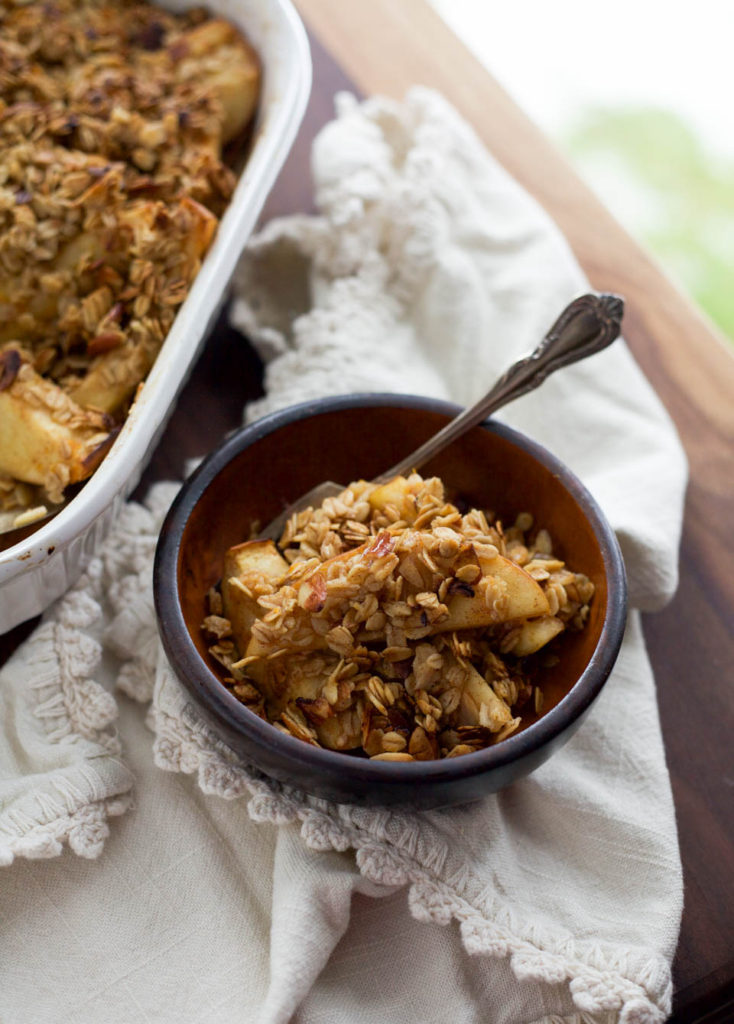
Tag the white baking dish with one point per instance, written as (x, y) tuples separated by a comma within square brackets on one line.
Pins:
[(36, 571)]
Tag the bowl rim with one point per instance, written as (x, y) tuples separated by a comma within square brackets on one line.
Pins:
[(187, 663)]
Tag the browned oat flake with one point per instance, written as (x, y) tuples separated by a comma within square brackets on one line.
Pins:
[(411, 638)]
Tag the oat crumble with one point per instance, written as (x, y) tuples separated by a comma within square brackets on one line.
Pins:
[(387, 622), (114, 118)]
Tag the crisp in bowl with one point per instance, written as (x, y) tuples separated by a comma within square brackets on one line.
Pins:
[(262, 468)]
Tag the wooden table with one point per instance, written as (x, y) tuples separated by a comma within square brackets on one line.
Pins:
[(383, 46)]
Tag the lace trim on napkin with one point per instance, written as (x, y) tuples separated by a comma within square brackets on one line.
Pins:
[(601, 979), (69, 707)]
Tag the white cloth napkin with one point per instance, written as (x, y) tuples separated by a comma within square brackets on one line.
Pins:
[(427, 270)]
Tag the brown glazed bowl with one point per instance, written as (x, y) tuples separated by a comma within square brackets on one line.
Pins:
[(262, 468)]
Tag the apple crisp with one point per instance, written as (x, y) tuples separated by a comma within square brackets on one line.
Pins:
[(390, 623), (114, 118)]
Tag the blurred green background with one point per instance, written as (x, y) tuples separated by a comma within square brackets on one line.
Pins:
[(660, 179)]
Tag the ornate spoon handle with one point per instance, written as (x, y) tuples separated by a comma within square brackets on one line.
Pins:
[(585, 327)]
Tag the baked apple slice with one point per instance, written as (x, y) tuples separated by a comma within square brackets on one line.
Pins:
[(46, 438)]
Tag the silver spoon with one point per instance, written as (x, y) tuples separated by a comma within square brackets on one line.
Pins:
[(586, 326)]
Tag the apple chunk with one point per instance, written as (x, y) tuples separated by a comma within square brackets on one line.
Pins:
[(536, 634), (45, 437), (341, 732), (480, 705), (399, 494), (525, 598), (229, 68), (258, 667), (260, 557)]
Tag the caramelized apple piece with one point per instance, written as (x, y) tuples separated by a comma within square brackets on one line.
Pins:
[(343, 731), (258, 558), (398, 493), (45, 437), (226, 63), (525, 598), (480, 705), (536, 634)]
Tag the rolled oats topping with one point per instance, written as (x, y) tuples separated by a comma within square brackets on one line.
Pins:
[(115, 120), (413, 637)]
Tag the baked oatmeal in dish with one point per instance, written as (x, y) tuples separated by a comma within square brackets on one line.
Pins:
[(115, 120), (388, 622)]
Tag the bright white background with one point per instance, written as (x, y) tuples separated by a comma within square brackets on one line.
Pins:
[(557, 57), (640, 96)]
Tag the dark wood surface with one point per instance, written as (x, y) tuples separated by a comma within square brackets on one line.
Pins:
[(691, 642)]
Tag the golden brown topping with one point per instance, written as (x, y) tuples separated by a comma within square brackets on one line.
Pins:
[(112, 178), (410, 642)]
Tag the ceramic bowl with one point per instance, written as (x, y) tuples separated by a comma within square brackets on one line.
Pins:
[(262, 468)]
